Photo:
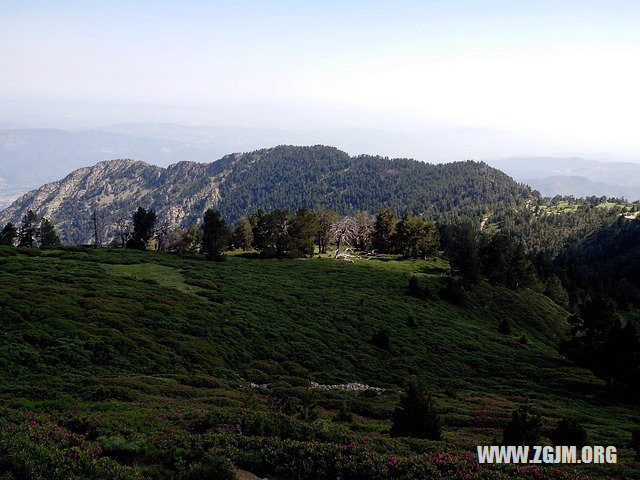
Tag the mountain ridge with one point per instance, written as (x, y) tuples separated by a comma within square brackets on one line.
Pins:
[(280, 177), (574, 176), (579, 186)]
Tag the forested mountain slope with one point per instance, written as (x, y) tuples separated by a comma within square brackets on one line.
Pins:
[(281, 177), (607, 260)]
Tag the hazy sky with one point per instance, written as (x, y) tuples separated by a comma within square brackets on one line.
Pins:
[(564, 74)]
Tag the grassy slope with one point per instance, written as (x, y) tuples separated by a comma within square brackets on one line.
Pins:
[(131, 334)]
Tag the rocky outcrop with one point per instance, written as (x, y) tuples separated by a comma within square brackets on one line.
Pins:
[(114, 189)]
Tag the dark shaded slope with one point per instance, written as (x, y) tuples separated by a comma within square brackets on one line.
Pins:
[(608, 260)]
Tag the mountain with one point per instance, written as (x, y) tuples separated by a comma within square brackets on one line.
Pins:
[(574, 176), (43, 155), (9, 192), (580, 187), (33, 156), (281, 177)]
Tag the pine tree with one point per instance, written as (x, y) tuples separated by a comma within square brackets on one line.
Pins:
[(28, 230), (243, 234), (304, 226), (453, 292), (215, 235), (505, 327), (635, 442), (325, 219), (271, 233), (384, 230), (190, 239), (47, 235), (381, 338), (524, 428), (416, 237), (8, 235), (143, 228), (569, 432), (415, 289), (416, 415), (555, 291), (462, 251)]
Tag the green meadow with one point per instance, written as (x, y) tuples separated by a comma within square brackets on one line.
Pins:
[(122, 364)]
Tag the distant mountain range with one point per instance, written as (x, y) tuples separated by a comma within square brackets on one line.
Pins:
[(282, 177), (39, 155), (580, 187), (574, 176), (43, 155), (32, 157)]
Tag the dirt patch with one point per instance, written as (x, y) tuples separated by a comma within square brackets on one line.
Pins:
[(244, 475)]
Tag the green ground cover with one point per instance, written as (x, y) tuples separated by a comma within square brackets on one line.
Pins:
[(116, 364)]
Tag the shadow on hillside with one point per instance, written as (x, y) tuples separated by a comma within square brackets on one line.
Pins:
[(434, 270), (249, 255)]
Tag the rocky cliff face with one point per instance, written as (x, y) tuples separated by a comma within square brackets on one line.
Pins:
[(114, 189), (237, 184)]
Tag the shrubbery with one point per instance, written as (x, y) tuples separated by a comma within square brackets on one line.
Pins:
[(35, 448), (569, 432), (505, 327), (344, 414), (416, 416), (524, 428), (453, 292), (381, 338)]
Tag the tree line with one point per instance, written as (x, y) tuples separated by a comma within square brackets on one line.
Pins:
[(280, 233), (32, 232), (600, 274)]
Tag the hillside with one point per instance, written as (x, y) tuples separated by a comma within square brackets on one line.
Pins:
[(608, 260), (281, 177), (120, 362)]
